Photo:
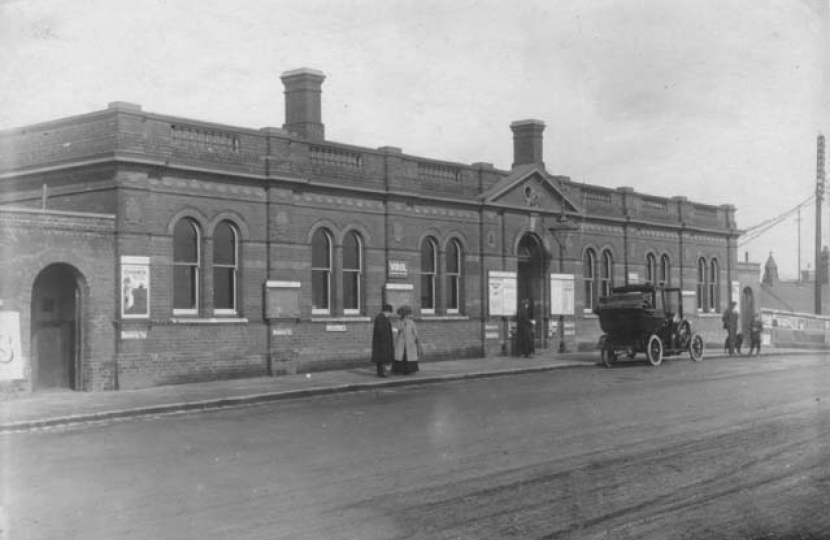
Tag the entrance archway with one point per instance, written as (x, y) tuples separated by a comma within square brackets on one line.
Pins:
[(530, 281), (56, 329)]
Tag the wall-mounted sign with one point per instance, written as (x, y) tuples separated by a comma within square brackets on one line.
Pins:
[(135, 287), (134, 334), (398, 269), (398, 294), (561, 294), (553, 327), (502, 287), (335, 328), (11, 355), (282, 299)]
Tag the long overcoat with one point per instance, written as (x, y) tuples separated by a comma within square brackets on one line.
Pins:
[(524, 332), (730, 320), (407, 340), (383, 344)]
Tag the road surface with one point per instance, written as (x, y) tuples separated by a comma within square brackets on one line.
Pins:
[(726, 449)]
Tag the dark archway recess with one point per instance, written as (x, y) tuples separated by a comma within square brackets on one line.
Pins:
[(56, 329), (530, 281)]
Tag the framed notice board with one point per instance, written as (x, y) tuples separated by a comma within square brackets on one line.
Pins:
[(282, 299), (398, 294), (502, 297)]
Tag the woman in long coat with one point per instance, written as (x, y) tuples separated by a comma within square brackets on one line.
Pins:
[(407, 346)]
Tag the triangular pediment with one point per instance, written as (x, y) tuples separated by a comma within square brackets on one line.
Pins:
[(531, 188)]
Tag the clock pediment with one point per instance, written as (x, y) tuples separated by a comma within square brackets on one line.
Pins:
[(533, 189)]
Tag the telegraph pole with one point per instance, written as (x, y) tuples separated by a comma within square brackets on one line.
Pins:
[(819, 197), (799, 243)]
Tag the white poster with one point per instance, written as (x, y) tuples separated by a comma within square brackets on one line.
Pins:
[(135, 287), (502, 287), (561, 294), (11, 354)]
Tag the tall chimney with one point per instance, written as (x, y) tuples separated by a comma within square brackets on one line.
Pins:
[(527, 142), (302, 103)]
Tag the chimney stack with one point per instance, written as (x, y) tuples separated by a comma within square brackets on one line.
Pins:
[(527, 142), (302, 103)]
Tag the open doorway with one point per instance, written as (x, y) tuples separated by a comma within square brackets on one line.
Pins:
[(530, 281), (56, 329)]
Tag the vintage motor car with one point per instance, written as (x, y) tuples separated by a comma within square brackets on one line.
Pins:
[(648, 319)]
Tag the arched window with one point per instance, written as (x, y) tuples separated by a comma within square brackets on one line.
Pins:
[(352, 274), (651, 268), (428, 271), (186, 264), (713, 286), (321, 272), (225, 268), (589, 264), (665, 270), (701, 284), (454, 258), (606, 277)]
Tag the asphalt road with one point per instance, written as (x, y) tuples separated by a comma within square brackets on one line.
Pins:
[(723, 449)]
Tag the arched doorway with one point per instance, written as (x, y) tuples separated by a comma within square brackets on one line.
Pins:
[(530, 281), (56, 329)]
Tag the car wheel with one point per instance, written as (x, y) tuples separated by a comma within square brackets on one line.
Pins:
[(696, 348), (654, 351)]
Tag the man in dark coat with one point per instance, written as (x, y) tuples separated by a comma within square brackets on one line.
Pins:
[(730, 324), (383, 344), (524, 329)]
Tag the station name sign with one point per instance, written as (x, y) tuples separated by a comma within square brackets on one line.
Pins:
[(398, 269)]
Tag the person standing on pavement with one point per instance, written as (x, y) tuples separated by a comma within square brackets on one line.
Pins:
[(730, 324), (524, 329), (407, 345), (383, 344), (756, 328)]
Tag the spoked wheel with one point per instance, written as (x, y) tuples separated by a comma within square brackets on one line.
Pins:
[(608, 354), (684, 335), (654, 351), (696, 348)]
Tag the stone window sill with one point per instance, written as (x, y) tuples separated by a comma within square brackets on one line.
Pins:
[(210, 320), (361, 318)]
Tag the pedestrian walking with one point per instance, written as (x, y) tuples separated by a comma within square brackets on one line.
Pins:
[(756, 329), (524, 329), (407, 345), (383, 343), (730, 324)]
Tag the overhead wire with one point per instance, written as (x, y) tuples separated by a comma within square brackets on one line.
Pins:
[(754, 232)]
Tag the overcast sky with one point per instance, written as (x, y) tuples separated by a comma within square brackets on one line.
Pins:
[(718, 100)]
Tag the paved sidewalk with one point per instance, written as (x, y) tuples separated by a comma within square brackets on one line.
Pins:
[(57, 408)]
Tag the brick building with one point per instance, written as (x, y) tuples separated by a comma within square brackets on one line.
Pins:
[(142, 249)]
